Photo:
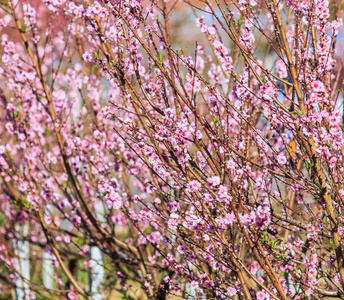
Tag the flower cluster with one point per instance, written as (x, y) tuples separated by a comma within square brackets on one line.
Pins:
[(209, 173)]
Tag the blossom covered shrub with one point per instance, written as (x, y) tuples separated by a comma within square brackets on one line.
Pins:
[(216, 174)]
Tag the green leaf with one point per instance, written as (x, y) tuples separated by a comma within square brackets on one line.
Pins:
[(308, 165), (275, 243), (97, 54), (80, 241), (21, 203), (215, 122), (326, 222), (125, 295), (17, 110), (160, 58)]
